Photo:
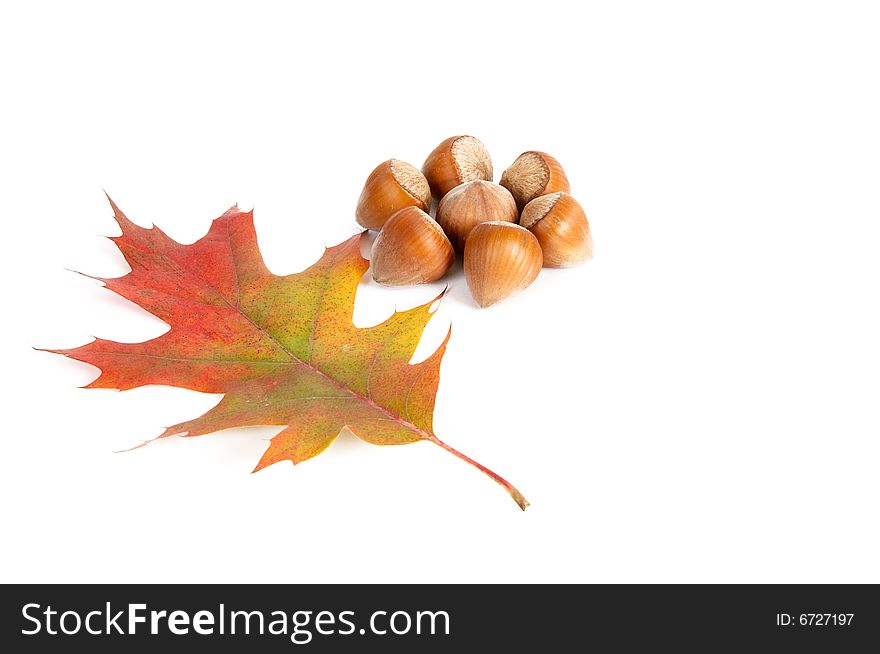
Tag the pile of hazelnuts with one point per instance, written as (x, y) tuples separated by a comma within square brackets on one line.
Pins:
[(506, 231)]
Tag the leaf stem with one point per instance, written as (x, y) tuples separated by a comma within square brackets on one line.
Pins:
[(518, 497)]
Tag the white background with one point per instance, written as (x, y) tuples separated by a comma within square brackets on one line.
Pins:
[(699, 403)]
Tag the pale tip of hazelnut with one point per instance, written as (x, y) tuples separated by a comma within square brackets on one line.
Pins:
[(533, 174), (412, 181)]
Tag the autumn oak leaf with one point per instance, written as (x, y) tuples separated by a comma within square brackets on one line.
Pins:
[(282, 350)]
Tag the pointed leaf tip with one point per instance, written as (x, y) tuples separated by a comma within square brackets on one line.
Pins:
[(234, 212), (434, 304), (116, 210), (136, 447)]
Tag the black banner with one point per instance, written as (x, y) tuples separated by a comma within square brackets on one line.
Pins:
[(436, 618)]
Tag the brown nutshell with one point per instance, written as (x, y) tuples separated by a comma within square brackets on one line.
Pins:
[(392, 185), (534, 174), (559, 223), (456, 160), (470, 204), (500, 259), (410, 249)]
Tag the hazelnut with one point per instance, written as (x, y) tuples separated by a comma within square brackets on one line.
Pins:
[(392, 185), (500, 259), (410, 249), (470, 204), (456, 160), (559, 223)]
